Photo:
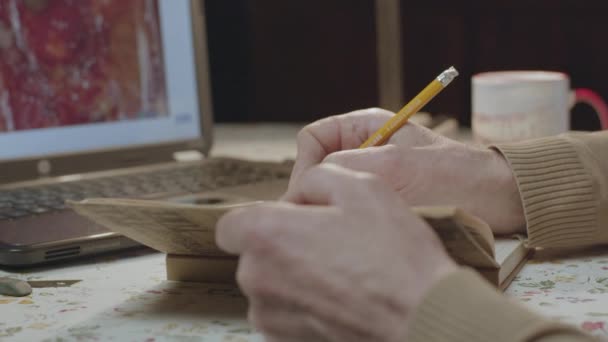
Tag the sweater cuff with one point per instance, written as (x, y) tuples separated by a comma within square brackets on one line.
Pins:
[(559, 200), (463, 307)]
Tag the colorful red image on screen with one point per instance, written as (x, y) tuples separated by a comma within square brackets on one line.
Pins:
[(72, 62)]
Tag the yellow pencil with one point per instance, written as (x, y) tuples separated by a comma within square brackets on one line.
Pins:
[(400, 119)]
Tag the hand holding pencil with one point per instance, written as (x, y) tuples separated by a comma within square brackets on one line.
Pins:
[(342, 134), (424, 167), (415, 105)]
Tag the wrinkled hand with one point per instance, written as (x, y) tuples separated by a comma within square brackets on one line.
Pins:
[(342, 260), (424, 167)]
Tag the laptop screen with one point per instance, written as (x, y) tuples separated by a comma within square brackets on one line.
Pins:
[(79, 75)]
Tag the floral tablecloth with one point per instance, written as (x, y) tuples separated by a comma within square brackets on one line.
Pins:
[(125, 298), (571, 287)]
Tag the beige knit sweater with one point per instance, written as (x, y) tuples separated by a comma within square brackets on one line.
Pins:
[(563, 182)]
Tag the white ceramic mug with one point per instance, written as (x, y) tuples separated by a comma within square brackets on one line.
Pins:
[(516, 105)]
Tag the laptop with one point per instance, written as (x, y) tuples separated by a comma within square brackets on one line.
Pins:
[(103, 98)]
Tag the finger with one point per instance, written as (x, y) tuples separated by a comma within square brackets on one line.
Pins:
[(262, 227), (336, 133), (383, 161), (239, 228), (330, 184)]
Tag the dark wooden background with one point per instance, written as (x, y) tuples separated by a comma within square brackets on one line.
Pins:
[(277, 60)]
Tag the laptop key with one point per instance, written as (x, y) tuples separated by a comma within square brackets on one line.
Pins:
[(58, 206), (48, 203), (131, 190), (23, 206), (111, 193), (26, 210), (5, 211), (73, 197), (17, 214), (39, 210)]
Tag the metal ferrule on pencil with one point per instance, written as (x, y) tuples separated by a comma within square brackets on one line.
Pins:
[(447, 76)]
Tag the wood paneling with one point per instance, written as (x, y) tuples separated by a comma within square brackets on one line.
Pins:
[(389, 50), (292, 60), (277, 60), (229, 41)]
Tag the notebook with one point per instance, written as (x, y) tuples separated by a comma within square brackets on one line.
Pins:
[(102, 98), (186, 232)]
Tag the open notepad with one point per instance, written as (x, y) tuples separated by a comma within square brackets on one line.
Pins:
[(186, 233)]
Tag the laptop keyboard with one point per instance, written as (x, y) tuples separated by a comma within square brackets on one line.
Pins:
[(213, 174)]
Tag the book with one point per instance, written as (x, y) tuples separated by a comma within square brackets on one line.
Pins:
[(186, 233), (470, 242)]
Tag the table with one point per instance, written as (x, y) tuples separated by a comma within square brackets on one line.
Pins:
[(124, 297)]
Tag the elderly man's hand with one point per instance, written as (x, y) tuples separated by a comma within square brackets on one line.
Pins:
[(425, 168), (343, 259)]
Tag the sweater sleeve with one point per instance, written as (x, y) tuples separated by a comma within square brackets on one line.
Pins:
[(563, 183), (464, 307)]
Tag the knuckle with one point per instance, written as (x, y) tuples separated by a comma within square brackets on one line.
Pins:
[(334, 175), (337, 174), (329, 170), (308, 131), (392, 158), (338, 158), (304, 134), (307, 134), (318, 171), (379, 113), (330, 158), (392, 152), (368, 111), (377, 110)]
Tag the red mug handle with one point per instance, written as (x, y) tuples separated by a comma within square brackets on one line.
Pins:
[(591, 98)]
